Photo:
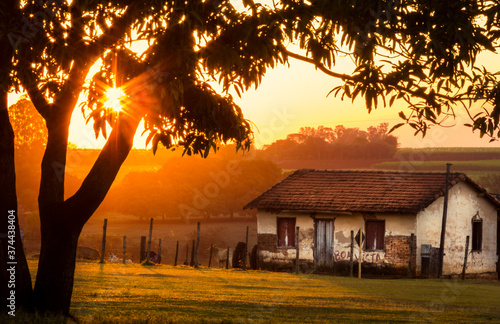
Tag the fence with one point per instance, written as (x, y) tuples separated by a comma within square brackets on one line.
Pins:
[(197, 252), (124, 250)]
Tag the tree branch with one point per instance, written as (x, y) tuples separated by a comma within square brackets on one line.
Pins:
[(112, 34), (320, 66), (77, 30), (29, 84), (100, 178), (68, 97), (346, 77)]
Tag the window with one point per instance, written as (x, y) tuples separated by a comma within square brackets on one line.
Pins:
[(375, 234), (286, 232), (477, 235)]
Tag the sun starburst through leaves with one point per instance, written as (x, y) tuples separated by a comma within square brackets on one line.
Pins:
[(114, 98)]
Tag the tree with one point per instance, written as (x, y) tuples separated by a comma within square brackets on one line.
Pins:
[(29, 127), (339, 143), (9, 222), (49, 46)]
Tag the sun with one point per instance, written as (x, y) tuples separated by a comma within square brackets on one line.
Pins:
[(113, 99)]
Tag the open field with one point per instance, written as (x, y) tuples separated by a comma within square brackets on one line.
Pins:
[(474, 169), (458, 166), (117, 293)]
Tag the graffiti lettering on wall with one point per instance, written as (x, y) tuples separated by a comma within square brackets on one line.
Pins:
[(367, 256)]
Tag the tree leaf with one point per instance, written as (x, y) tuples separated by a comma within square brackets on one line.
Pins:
[(395, 127)]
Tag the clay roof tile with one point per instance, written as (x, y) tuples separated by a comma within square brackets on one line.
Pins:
[(359, 191)]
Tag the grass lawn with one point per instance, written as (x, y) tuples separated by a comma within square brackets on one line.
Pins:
[(117, 293)]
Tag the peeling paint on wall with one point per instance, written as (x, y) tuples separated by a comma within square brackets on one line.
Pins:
[(463, 204), (342, 238)]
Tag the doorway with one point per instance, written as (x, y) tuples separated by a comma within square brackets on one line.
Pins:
[(323, 252)]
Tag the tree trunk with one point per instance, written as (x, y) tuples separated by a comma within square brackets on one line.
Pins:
[(62, 221), (16, 283), (56, 266), (14, 272)]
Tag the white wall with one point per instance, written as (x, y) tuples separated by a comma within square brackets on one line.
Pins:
[(343, 224), (463, 204), (266, 224)]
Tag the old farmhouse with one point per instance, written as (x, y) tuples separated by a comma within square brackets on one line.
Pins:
[(389, 207)]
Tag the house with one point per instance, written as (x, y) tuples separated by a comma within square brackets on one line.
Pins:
[(388, 207)]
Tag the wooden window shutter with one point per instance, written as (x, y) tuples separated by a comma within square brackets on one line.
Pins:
[(375, 234), (380, 235)]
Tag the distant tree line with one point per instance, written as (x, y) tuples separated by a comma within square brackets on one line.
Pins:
[(194, 188), (334, 143)]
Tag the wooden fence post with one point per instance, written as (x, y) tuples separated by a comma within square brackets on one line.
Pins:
[(197, 244), (412, 239), (227, 257), (465, 257), (246, 252), (176, 253), (142, 255), (159, 251), (210, 258), (297, 249), (351, 258), (149, 239), (360, 261), (124, 248), (192, 253), (187, 254), (103, 249)]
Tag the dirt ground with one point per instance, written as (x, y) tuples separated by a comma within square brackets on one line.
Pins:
[(220, 234)]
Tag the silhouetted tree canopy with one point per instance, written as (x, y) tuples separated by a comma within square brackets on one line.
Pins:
[(340, 143)]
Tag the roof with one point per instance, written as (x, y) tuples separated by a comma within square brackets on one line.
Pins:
[(359, 191)]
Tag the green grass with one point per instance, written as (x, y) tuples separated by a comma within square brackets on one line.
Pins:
[(117, 293)]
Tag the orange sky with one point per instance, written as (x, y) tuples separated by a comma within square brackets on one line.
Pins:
[(290, 98)]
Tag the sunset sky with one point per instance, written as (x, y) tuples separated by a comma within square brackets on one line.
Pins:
[(296, 96)]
